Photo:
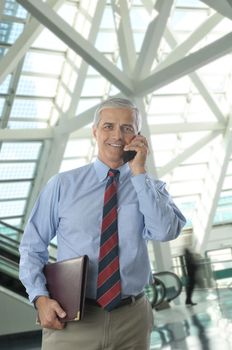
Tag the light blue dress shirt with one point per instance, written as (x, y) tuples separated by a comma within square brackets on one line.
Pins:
[(70, 208)]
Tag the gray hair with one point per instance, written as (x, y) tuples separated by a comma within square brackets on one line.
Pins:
[(117, 102)]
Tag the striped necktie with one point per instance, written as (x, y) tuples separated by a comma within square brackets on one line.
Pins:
[(108, 282)]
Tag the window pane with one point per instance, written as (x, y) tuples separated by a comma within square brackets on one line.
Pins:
[(16, 171), (43, 63), (36, 86), (23, 108), (14, 190), (9, 32), (12, 208), (20, 151)]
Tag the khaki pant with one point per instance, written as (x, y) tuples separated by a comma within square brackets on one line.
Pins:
[(125, 328)]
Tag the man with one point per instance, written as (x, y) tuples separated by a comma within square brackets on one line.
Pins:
[(71, 207), (191, 269)]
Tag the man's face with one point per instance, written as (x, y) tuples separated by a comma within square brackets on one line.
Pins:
[(115, 129)]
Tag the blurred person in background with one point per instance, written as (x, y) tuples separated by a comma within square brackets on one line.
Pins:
[(191, 269)]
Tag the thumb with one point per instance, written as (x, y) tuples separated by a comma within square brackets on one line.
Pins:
[(60, 312)]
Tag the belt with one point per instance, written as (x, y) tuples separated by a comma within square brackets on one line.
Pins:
[(123, 302)]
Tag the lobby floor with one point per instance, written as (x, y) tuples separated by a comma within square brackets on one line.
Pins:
[(205, 326)]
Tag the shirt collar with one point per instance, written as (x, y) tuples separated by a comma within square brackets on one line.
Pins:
[(102, 170)]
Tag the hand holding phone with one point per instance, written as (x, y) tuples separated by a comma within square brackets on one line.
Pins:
[(137, 150), (128, 155)]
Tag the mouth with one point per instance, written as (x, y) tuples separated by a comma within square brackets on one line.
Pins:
[(115, 145)]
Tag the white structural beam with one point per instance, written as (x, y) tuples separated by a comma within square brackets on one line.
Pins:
[(79, 121), (209, 99), (82, 71), (1, 9), (149, 5), (26, 134), (54, 151), (11, 95), (76, 125), (128, 62), (180, 50), (124, 34), (152, 39), (147, 133), (193, 39), (206, 208), (222, 6), (162, 250), (184, 127), (185, 65), (78, 44), (13, 56), (86, 117), (62, 132), (128, 58), (73, 124), (187, 153)]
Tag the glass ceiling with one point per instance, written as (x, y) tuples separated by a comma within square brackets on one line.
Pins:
[(59, 59)]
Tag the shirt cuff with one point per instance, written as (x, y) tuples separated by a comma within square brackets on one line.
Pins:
[(37, 294), (139, 181), (142, 182)]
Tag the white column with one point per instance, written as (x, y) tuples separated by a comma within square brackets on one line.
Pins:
[(163, 257)]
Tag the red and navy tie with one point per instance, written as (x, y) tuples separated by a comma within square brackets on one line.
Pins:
[(108, 282)]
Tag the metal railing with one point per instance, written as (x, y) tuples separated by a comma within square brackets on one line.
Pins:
[(166, 287), (210, 274)]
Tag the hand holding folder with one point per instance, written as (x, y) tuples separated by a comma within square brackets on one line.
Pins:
[(66, 283)]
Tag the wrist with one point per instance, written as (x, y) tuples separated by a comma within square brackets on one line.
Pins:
[(39, 299), (138, 171)]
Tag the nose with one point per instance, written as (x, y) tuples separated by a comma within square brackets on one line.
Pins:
[(117, 133)]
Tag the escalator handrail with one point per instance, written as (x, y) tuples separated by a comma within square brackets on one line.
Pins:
[(6, 237), (20, 231), (12, 265), (7, 242), (15, 246), (176, 278), (159, 301)]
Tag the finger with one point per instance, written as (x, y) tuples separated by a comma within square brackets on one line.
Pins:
[(59, 311), (138, 149), (139, 145), (54, 325), (140, 139), (58, 324), (52, 321), (136, 145)]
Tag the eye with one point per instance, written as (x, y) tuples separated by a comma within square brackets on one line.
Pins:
[(128, 129), (108, 126)]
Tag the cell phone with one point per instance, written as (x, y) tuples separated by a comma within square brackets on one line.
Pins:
[(128, 155)]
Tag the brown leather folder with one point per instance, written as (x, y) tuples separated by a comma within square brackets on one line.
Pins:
[(66, 283)]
